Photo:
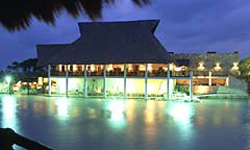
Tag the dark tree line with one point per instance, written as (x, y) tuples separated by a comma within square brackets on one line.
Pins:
[(26, 66), (25, 71)]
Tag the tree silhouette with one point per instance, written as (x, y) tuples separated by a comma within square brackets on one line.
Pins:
[(17, 14), (14, 66), (28, 64), (244, 67)]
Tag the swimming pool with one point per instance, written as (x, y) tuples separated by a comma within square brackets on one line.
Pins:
[(78, 123)]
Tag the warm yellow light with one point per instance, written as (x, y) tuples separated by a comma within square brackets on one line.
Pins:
[(171, 66), (74, 68), (92, 67), (235, 66), (110, 67), (201, 66), (150, 68), (177, 68), (60, 68), (217, 67), (142, 67)]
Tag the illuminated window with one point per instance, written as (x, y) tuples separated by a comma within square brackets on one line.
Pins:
[(60, 68), (74, 68), (201, 66), (91, 67), (110, 67), (217, 67), (130, 67), (150, 68), (142, 67)]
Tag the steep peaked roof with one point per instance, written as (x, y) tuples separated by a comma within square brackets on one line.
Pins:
[(109, 42)]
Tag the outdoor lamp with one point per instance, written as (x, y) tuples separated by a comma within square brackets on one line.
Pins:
[(8, 79)]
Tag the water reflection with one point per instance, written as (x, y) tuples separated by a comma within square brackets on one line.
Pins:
[(116, 108), (181, 113), (149, 112), (9, 118), (128, 124), (62, 107)]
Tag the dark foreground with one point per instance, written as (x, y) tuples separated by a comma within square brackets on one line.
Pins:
[(65, 124)]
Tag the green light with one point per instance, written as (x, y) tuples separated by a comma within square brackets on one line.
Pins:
[(116, 108), (62, 107), (8, 79), (181, 112)]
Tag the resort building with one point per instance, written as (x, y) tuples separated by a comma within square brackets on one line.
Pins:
[(109, 59), (210, 69), (125, 59)]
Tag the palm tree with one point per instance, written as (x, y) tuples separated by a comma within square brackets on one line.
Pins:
[(9, 68), (28, 66), (14, 66), (16, 14)]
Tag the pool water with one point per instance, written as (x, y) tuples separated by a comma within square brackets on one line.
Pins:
[(93, 124)]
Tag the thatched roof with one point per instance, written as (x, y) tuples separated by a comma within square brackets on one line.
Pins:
[(108, 42), (17, 14)]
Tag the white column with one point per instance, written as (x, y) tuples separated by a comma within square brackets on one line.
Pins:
[(227, 81), (104, 84), (67, 81), (191, 85), (49, 80), (210, 79), (125, 82), (146, 83), (168, 82), (85, 82), (43, 84)]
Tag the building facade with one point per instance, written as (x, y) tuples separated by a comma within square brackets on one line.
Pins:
[(125, 59), (109, 59)]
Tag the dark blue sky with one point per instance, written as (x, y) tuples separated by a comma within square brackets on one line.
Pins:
[(187, 26)]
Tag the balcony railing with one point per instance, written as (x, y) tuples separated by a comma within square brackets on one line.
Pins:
[(161, 73)]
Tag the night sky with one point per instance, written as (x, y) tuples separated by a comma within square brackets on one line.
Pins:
[(187, 26)]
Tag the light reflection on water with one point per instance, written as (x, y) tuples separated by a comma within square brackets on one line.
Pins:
[(128, 124), (9, 118)]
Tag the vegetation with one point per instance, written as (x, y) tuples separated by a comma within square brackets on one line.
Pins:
[(26, 71), (244, 67), (16, 14), (182, 89)]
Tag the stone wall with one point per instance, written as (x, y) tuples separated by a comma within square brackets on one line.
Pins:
[(210, 59)]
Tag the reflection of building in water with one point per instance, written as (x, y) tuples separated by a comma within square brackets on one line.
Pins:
[(9, 107), (149, 112), (40, 107), (217, 113), (150, 120), (62, 107), (130, 110), (182, 114), (117, 113)]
